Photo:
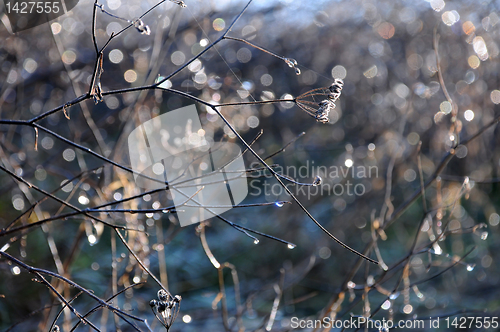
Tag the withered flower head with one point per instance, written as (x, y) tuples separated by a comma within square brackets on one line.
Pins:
[(320, 111)]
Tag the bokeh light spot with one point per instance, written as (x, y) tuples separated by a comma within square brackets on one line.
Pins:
[(56, 28), (468, 27), (18, 202), (244, 55), (469, 115), (130, 76), (219, 24), (68, 57), (266, 80), (494, 219), (495, 96), (408, 309), (339, 72), (386, 30), (30, 65), (115, 56), (437, 5), (253, 121), (480, 48), (445, 107), (371, 72), (69, 154), (473, 61), (413, 138), (178, 58), (450, 17)]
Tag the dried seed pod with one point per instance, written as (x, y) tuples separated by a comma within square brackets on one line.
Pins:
[(320, 111), (334, 96), (162, 295), (323, 118), (336, 86), (325, 106), (162, 306), (166, 308)]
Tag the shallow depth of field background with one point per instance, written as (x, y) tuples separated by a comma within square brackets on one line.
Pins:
[(391, 100)]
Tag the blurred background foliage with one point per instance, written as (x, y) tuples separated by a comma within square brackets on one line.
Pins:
[(392, 100)]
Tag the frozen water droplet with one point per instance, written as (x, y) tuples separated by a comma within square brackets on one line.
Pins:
[(256, 241), (290, 62), (317, 181), (92, 239), (470, 267), (437, 249), (15, 270), (484, 235), (165, 211), (279, 204), (291, 246)]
